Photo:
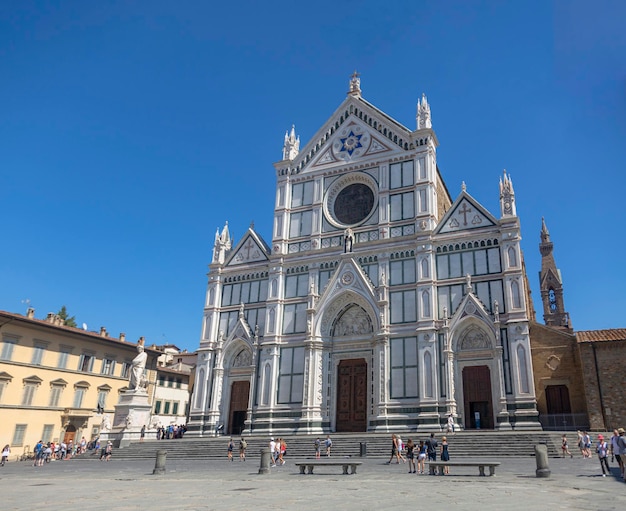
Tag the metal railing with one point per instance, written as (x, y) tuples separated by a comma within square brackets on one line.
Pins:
[(564, 421)]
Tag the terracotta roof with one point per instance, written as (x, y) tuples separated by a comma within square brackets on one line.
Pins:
[(614, 334)]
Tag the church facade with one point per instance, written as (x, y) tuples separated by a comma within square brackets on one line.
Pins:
[(382, 303)]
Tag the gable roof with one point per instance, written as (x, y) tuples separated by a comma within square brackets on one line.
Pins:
[(466, 213), (613, 334), (250, 249), (373, 132)]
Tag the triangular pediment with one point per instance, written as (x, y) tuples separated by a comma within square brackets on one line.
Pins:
[(241, 330), (347, 286), (466, 213), (550, 279), (250, 249), (472, 308), (356, 130)]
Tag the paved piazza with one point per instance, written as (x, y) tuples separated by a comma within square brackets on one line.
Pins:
[(195, 485)]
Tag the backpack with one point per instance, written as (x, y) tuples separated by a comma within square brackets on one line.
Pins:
[(243, 444)]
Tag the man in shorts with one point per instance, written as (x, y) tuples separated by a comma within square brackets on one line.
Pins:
[(243, 445), (431, 445)]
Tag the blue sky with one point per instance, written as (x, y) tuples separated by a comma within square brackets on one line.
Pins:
[(130, 131)]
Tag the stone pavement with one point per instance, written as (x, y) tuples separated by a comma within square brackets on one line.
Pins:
[(90, 485)]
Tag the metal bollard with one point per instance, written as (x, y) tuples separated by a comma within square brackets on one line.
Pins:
[(159, 466), (264, 467), (541, 457)]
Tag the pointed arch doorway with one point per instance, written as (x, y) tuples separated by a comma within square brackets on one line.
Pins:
[(477, 397), (352, 395), (239, 394)]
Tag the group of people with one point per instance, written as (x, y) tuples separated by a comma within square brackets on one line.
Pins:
[(417, 453), (278, 450), (171, 431), (328, 443), (243, 445), (615, 447)]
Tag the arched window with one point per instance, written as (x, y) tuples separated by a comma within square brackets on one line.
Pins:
[(552, 300), (207, 327), (200, 389), (426, 304), (428, 375), (515, 295), (273, 288), (265, 394), (272, 324), (512, 257), (211, 296), (425, 269), (523, 370)]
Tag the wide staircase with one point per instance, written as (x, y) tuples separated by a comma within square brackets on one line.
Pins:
[(373, 445)]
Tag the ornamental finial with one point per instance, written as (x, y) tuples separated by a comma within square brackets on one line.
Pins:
[(355, 84)]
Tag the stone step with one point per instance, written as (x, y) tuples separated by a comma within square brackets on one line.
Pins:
[(377, 445)]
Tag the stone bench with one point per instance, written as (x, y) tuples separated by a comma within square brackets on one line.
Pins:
[(310, 465), (433, 465)]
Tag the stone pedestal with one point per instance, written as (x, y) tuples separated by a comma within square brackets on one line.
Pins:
[(131, 413)]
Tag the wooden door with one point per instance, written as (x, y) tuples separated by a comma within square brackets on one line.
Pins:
[(477, 397), (557, 399), (239, 394), (70, 433), (352, 395)]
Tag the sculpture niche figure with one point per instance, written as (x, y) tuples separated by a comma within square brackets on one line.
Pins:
[(136, 381)]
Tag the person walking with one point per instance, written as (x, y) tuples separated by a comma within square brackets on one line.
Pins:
[(586, 445), (142, 433), (602, 450), (273, 451), (243, 445), (615, 451), (621, 444), (230, 448), (410, 455), (394, 449), (565, 447), (445, 455), (400, 448), (318, 447), (6, 452)]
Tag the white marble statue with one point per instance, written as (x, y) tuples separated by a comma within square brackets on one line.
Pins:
[(138, 365)]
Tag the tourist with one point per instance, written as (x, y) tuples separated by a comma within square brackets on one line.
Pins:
[(621, 444), (615, 451), (83, 445), (579, 442), (565, 447), (394, 450), (400, 448), (243, 445), (450, 426), (445, 455), (108, 450), (587, 445), (421, 457), (38, 454), (231, 446), (602, 449), (318, 445), (142, 433), (431, 447), (328, 443), (410, 446), (6, 451), (282, 451), (273, 451), (279, 452)]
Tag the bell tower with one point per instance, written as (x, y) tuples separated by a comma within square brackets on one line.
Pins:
[(551, 285)]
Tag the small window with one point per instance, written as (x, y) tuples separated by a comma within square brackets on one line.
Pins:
[(175, 408), (157, 407), (166, 408), (18, 435), (86, 363), (7, 348)]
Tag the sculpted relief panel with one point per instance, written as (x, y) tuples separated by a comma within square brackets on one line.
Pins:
[(475, 339), (354, 321)]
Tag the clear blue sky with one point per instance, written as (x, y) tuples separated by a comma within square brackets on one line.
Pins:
[(129, 131)]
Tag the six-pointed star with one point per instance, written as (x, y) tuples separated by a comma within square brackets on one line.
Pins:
[(351, 142)]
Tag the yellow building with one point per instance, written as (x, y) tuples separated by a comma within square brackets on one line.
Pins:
[(59, 383)]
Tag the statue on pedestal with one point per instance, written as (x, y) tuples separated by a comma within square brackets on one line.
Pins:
[(138, 365)]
